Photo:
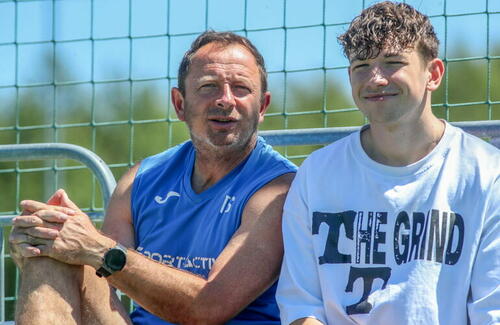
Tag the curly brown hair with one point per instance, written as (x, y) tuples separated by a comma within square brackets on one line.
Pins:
[(389, 25)]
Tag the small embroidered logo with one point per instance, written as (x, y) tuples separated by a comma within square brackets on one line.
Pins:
[(227, 205), (159, 200)]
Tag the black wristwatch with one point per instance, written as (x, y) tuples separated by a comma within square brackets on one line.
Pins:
[(114, 260)]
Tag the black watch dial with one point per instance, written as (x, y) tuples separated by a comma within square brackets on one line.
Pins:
[(115, 259)]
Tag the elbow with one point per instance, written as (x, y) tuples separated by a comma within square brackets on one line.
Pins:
[(208, 313), (209, 305)]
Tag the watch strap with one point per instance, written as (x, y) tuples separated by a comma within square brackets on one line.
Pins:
[(105, 270)]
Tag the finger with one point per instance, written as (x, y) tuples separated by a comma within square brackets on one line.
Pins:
[(32, 236), (52, 216), (66, 202), (34, 221), (17, 237), (33, 206), (27, 250), (43, 249), (36, 235), (27, 221), (56, 198), (45, 218)]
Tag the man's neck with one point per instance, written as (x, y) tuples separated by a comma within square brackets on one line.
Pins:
[(401, 144), (212, 165)]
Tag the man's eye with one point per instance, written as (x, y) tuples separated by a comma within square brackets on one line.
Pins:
[(207, 88), (359, 66), (396, 62), (240, 90)]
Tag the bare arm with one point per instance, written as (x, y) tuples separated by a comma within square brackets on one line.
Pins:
[(175, 295), (235, 279), (40, 223), (96, 301), (118, 221), (49, 229)]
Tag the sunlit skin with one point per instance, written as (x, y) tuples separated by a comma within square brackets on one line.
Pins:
[(391, 86), (222, 106), (223, 102), (393, 90)]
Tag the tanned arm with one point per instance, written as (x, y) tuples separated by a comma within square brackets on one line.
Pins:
[(248, 265)]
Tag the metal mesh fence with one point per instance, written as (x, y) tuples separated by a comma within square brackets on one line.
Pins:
[(97, 73)]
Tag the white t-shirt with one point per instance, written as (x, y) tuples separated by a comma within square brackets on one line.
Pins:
[(367, 243)]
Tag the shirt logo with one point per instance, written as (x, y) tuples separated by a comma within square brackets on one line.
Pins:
[(159, 200), (228, 204), (203, 264)]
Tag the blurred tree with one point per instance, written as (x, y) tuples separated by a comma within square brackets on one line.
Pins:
[(123, 128), (467, 88)]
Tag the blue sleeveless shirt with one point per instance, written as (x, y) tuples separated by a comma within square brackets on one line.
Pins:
[(178, 227)]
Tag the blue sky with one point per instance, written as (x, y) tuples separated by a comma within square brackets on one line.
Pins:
[(291, 35)]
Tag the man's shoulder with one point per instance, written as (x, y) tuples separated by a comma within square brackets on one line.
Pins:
[(160, 159), (332, 152), (267, 157), (476, 148), (477, 159), (264, 168)]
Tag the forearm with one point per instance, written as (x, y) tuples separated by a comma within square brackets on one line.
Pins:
[(235, 279), (167, 292)]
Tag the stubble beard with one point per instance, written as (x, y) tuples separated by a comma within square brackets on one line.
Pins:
[(238, 143)]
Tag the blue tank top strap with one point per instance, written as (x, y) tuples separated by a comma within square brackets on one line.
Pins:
[(177, 227)]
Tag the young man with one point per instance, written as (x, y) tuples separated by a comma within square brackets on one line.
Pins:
[(203, 217), (399, 222)]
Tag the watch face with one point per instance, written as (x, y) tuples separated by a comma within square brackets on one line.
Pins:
[(115, 259)]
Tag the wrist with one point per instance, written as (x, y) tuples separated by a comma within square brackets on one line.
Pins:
[(114, 260), (96, 258)]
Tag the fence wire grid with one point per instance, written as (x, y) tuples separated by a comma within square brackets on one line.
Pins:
[(97, 73)]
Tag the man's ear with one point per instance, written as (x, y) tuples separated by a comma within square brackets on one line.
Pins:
[(436, 73), (264, 105), (178, 102)]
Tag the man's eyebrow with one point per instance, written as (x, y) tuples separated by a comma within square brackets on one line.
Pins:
[(354, 60), (214, 77), (394, 54), (206, 77)]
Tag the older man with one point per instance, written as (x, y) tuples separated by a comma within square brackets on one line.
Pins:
[(192, 234), (399, 222)]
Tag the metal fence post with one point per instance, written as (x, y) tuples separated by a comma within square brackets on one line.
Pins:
[(40, 151)]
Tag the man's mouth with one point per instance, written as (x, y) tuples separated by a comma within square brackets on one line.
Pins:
[(222, 121), (378, 96)]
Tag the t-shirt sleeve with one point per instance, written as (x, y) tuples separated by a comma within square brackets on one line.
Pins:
[(484, 301), (299, 292)]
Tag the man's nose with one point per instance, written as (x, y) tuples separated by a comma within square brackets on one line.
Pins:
[(378, 77), (226, 98)]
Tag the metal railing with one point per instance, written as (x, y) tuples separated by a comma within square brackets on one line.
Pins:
[(40, 151), (321, 136)]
